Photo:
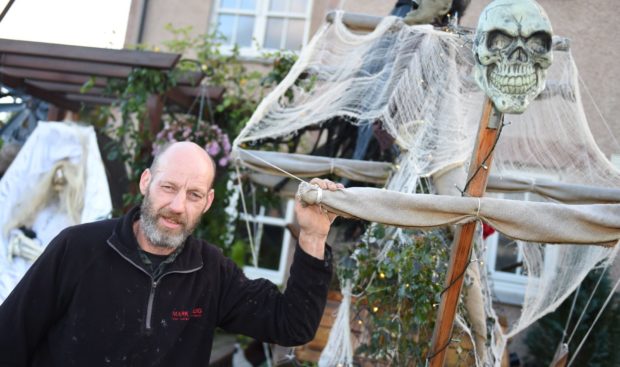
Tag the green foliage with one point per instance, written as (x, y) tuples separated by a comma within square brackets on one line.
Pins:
[(132, 133), (134, 142), (600, 348), (239, 252), (399, 292), (245, 87)]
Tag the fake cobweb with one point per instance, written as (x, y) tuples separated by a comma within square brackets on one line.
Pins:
[(418, 82)]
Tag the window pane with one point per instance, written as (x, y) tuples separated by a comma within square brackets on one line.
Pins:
[(248, 4), (225, 25), (514, 196), (273, 34), (298, 6), (271, 238), (229, 4), (270, 247), (277, 5), (295, 34), (507, 255), (245, 30)]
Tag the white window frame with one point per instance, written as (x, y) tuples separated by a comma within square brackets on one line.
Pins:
[(261, 13), (275, 276), (509, 288), (615, 160)]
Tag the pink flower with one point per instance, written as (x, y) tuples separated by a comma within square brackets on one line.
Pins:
[(213, 148), (223, 161)]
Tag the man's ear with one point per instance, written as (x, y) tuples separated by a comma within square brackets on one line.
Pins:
[(145, 180), (210, 198)]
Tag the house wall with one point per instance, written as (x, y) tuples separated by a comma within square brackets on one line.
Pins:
[(194, 13)]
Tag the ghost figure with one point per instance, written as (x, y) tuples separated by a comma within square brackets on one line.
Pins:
[(512, 49)]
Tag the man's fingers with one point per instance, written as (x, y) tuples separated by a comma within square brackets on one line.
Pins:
[(326, 184)]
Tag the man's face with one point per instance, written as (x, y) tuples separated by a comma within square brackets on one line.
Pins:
[(173, 233), (175, 197)]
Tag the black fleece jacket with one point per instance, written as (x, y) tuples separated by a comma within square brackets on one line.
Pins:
[(89, 301)]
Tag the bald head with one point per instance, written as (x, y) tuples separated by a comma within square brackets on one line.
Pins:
[(177, 192), (184, 152)]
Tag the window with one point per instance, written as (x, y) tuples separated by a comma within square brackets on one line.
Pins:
[(504, 263), (263, 24), (273, 239), (615, 160)]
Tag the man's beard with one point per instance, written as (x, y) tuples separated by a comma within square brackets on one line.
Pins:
[(162, 237)]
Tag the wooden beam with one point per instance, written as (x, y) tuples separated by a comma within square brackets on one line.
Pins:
[(177, 96), (39, 93), (368, 23), (64, 87), (50, 76), (90, 99), (358, 21), (560, 359), (154, 106), (132, 58), (463, 239), (70, 66)]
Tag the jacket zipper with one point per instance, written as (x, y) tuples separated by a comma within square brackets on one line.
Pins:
[(149, 306)]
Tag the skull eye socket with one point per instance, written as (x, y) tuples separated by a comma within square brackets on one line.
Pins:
[(539, 42), (498, 40)]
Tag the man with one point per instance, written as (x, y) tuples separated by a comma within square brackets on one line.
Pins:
[(141, 291)]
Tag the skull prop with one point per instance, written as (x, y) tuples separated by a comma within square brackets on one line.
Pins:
[(512, 50)]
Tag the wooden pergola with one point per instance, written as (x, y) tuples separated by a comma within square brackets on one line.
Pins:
[(55, 73)]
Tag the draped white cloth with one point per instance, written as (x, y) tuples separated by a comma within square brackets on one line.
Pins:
[(48, 144)]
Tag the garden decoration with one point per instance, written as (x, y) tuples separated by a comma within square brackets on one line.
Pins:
[(429, 104), (512, 50), (56, 180)]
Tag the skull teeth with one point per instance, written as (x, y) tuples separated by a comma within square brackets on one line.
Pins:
[(513, 79)]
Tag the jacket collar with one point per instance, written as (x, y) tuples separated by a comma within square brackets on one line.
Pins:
[(123, 240)]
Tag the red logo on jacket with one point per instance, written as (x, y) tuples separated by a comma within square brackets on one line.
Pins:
[(184, 315)]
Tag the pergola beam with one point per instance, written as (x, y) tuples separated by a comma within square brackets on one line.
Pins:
[(131, 58), (64, 87), (51, 76), (65, 65), (56, 73)]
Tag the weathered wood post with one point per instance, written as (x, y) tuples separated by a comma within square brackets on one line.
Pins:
[(490, 122)]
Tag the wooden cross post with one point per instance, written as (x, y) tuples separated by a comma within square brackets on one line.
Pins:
[(461, 248)]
